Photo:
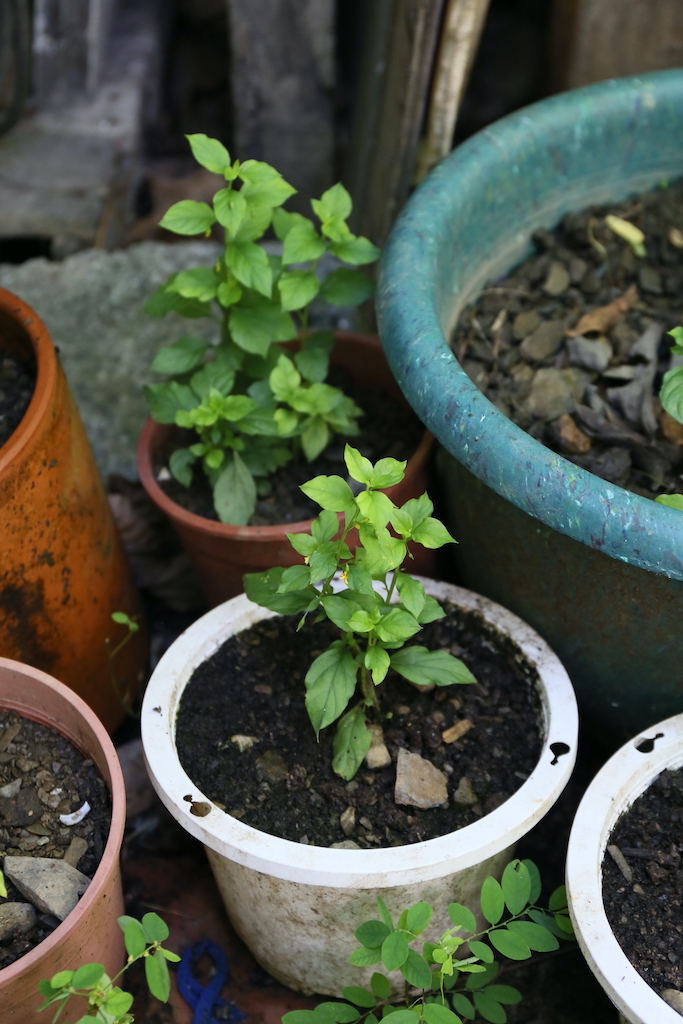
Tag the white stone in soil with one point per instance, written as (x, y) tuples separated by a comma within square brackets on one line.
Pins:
[(674, 998), (16, 918), (10, 790), (464, 794), (51, 885), (419, 783), (378, 755)]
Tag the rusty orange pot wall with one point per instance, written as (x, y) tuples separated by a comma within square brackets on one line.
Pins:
[(221, 554), (62, 568)]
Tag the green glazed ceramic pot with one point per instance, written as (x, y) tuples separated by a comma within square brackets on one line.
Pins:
[(595, 569)]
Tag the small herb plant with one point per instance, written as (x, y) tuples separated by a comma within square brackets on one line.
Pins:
[(441, 987), (106, 1002), (252, 404), (671, 397), (121, 619), (378, 607)]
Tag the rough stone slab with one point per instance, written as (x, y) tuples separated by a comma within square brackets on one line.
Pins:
[(418, 782), (52, 886)]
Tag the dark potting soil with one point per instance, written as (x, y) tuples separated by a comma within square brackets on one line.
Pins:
[(284, 784), (387, 429), (644, 909), (17, 383), (589, 390), (42, 776)]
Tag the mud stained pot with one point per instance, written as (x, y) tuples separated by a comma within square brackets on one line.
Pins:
[(572, 345), (17, 381), (53, 804), (642, 883), (245, 738), (386, 429)]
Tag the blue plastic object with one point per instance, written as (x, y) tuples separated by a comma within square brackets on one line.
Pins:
[(205, 999)]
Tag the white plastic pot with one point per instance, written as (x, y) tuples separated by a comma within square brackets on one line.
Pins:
[(621, 781), (297, 906)]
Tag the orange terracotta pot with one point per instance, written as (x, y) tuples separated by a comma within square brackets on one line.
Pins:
[(62, 568), (90, 934), (222, 554)]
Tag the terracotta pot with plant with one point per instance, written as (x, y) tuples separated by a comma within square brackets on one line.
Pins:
[(231, 415)]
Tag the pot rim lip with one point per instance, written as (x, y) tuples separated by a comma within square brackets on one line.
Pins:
[(617, 522), (46, 376), (117, 792), (289, 860), (152, 434), (626, 775)]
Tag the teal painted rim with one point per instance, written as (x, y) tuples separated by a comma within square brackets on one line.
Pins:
[(469, 222)]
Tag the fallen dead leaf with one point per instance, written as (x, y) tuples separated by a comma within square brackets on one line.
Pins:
[(604, 318), (671, 428)]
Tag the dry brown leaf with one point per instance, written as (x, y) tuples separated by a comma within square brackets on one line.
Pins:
[(604, 318)]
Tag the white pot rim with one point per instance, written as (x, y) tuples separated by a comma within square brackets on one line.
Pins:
[(619, 782), (380, 868)]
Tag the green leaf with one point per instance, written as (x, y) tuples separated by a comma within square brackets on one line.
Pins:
[(384, 914), (172, 958), (677, 335), (394, 951), (188, 218), (302, 243), (490, 1009), (516, 886), (436, 1013), (256, 321), (218, 374), (364, 957), (419, 916), (263, 188), (376, 660), (412, 593), (416, 971), (432, 610), (356, 250), (359, 996), (335, 203), (351, 742), (564, 924), (117, 1002), (284, 379), (183, 355), (463, 1005), (537, 938), (229, 292), (359, 579), (395, 625), (156, 928), (249, 263), (200, 283), (558, 898), (477, 981), (156, 973), (231, 209), (492, 901), (234, 493), (301, 1017), (297, 288), (165, 400), (419, 509), (376, 507), (671, 394), (510, 944), (480, 949), (315, 437), (134, 939), (164, 301), (672, 500), (87, 975), (372, 933), (312, 359), (330, 492), (380, 984), (421, 666), (323, 562), (336, 1013), (284, 221), (505, 994), (359, 467), (535, 876), (344, 287), (462, 917), (262, 589), (296, 577), (330, 683), (210, 153), (61, 979), (400, 1016), (432, 534)]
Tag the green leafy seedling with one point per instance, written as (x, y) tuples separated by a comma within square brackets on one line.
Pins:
[(671, 397), (376, 606), (456, 977), (250, 404), (106, 1002)]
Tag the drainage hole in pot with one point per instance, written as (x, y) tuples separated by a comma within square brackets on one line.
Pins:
[(647, 745), (559, 750)]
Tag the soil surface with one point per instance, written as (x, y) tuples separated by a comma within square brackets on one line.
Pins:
[(284, 785), (55, 779), (644, 909), (387, 428), (588, 388), (17, 382)]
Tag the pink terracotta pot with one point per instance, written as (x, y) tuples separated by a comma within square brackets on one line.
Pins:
[(90, 934), (221, 554)]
